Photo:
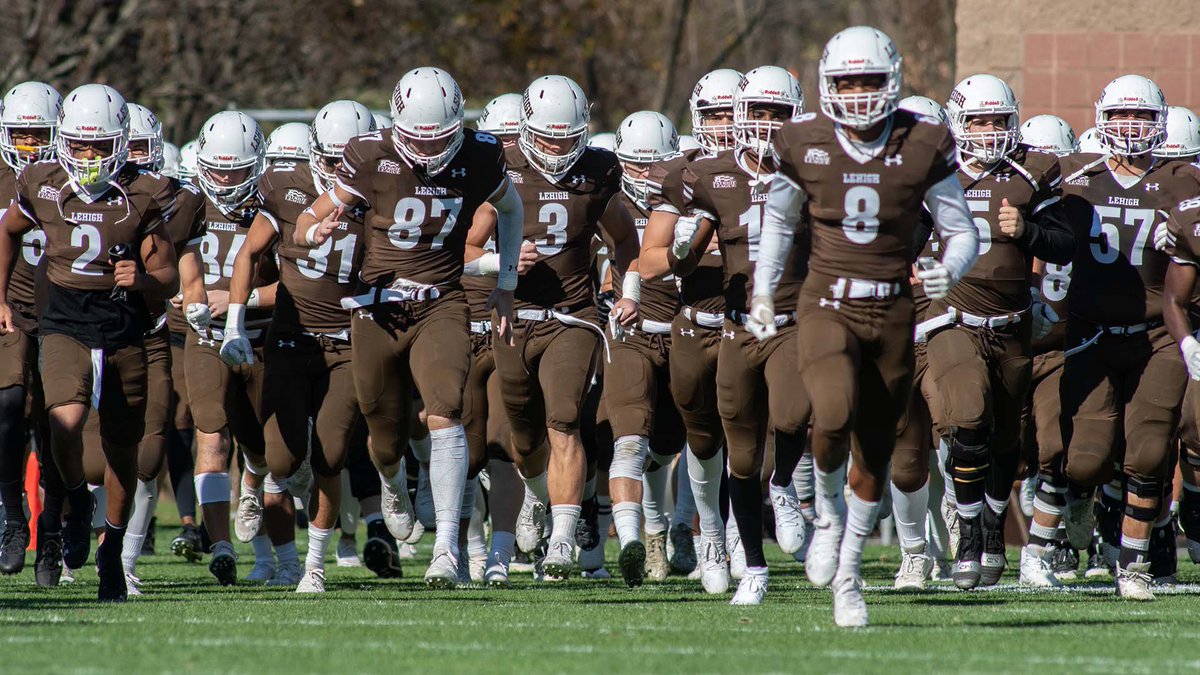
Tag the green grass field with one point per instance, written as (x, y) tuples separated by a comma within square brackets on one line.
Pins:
[(185, 623)]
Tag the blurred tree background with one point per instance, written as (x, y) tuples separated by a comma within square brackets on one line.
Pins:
[(186, 59)]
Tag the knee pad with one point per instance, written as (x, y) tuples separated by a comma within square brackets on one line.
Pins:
[(1144, 514), (1147, 488), (629, 457), (969, 456)]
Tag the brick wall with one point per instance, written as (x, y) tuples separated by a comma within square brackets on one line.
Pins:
[(1059, 55)]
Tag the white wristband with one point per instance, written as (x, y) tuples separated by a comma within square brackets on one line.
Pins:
[(334, 198), (235, 318), (1186, 342), (310, 235), (631, 287), (489, 264), (252, 301)]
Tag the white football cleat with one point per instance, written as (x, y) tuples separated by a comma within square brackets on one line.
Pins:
[(132, 584), (477, 568), (822, 561), (789, 522), (597, 574), (1133, 582), (915, 568), (287, 575), (530, 522), (849, 606), (262, 571), (713, 568), (249, 515), (443, 571), (737, 554), (560, 559), (751, 589), (347, 554), (312, 582), (1036, 569), (397, 509), (950, 518)]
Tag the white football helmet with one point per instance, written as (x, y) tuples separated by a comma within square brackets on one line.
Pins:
[(93, 113), (427, 115), (289, 141), (1131, 137), (170, 161), (554, 108), (144, 126), (332, 129), (230, 141), (1089, 141), (714, 93), (923, 105), (860, 50), (643, 138), (188, 167), (501, 117), (606, 140), (689, 142), (983, 95), (29, 105), (382, 121), (1183, 134), (1049, 133), (764, 86)]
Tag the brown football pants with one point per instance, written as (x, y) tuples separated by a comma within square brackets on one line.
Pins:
[(693, 364)]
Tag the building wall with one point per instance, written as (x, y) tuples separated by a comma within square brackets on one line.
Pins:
[(1059, 54)]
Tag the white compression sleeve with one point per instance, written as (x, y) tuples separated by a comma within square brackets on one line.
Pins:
[(780, 213), (510, 228), (952, 220)]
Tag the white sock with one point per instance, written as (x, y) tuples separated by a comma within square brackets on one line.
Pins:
[(804, 479), (943, 456), (476, 536), (263, 552), (422, 448), (627, 517), (502, 548), (566, 517), (536, 488), (705, 478), (318, 545), (447, 480), (831, 496), (287, 553), (685, 502), (144, 499), (654, 495), (996, 506), (908, 511), (246, 488), (860, 520)]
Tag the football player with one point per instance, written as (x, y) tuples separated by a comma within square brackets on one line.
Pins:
[(1183, 135), (107, 261), (696, 332), (307, 352), (755, 378), (861, 171), (568, 190), (978, 336), (1122, 369), (420, 181), (225, 402), (28, 124)]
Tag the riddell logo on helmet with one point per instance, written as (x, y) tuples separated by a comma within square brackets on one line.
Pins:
[(556, 127), (225, 158), (991, 104), (88, 127), (772, 92), (32, 118), (427, 127)]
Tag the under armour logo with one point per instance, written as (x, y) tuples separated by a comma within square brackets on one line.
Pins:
[(894, 160), (578, 178), (1004, 178), (290, 344), (687, 332), (1151, 186), (833, 304), (458, 173), (727, 334), (365, 315), (115, 201), (205, 342)]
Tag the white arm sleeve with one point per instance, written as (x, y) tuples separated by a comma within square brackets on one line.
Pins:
[(510, 228), (780, 214), (952, 220), (486, 265)]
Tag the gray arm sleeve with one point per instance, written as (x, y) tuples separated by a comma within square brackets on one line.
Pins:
[(952, 220), (780, 214), (510, 229)]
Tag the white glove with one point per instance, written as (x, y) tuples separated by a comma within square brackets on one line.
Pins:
[(937, 280), (198, 316), (615, 328), (1191, 356), (1163, 238), (1044, 316), (235, 348), (760, 322), (685, 234)]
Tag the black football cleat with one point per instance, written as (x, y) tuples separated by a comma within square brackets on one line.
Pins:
[(48, 565), (380, 553), (13, 543), (587, 531)]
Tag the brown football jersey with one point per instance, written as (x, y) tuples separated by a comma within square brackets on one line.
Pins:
[(863, 214), (416, 225), (561, 219), (33, 243), (704, 288), (223, 237), (660, 297), (78, 234), (1117, 274), (722, 190), (312, 281), (1054, 282), (999, 281)]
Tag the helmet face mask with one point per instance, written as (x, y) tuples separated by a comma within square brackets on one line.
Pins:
[(554, 124), (643, 138), (983, 118), (93, 136), (29, 116), (860, 77), (427, 114), (766, 97), (1131, 116), (230, 156), (711, 106)]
